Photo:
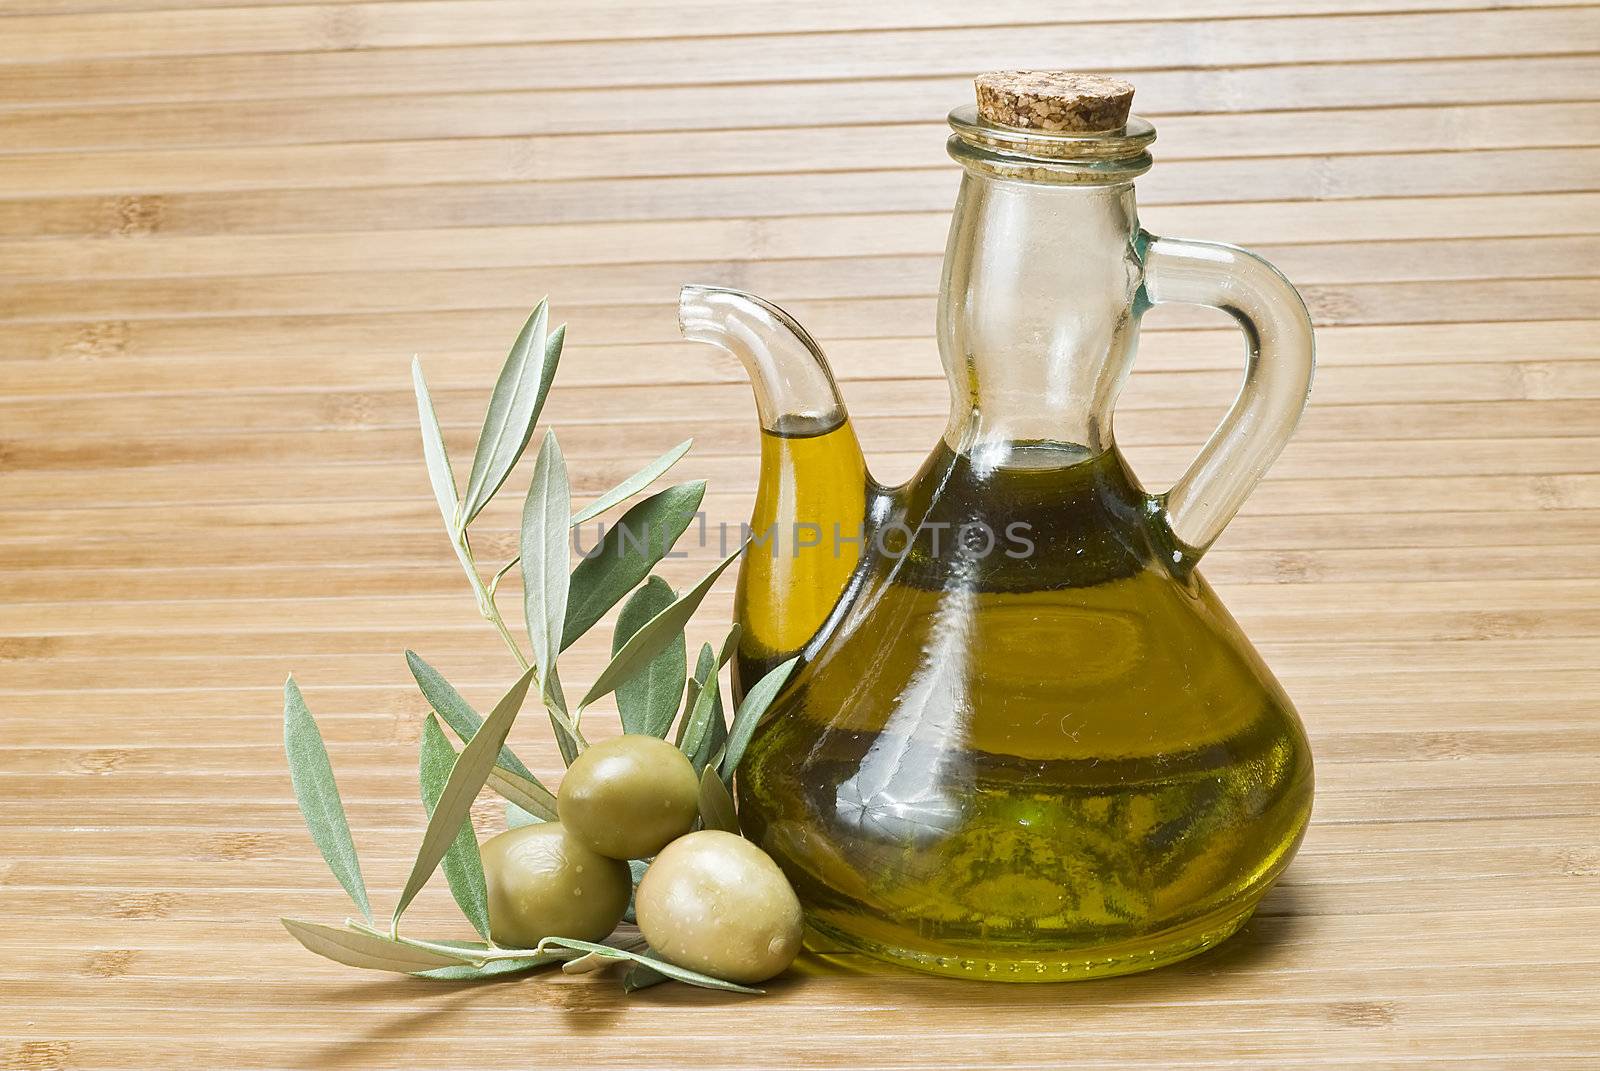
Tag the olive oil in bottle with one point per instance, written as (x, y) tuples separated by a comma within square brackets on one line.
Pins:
[(1031, 744), (810, 507)]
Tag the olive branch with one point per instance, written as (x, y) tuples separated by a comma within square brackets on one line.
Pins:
[(647, 672)]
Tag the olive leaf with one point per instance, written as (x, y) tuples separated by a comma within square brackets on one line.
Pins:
[(633, 484), (716, 804), (703, 729), (697, 684), (517, 817), (648, 701), (463, 868), (590, 962), (467, 776), (756, 702), (318, 794), (654, 635), (510, 777), (466, 972), (710, 748), (730, 644), (433, 451), (562, 724), (660, 966), (636, 869), (626, 554), (357, 948), (514, 407), (525, 793), (641, 977), (544, 558), (458, 713)]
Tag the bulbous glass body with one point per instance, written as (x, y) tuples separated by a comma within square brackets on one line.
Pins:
[(1029, 763)]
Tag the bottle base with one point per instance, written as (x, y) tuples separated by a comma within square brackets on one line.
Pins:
[(1106, 961)]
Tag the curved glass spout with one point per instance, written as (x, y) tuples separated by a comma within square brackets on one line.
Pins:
[(808, 525), (795, 392)]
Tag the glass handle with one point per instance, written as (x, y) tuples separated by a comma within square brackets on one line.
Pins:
[(1279, 359)]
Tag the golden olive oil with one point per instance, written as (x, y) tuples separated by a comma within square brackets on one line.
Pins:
[(1030, 742), (810, 501)]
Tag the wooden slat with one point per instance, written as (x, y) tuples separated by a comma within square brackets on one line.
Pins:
[(1212, 96), (81, 374), (168, 249), (873, 276), (1471, 173), (344, 25), (590, 156), (804, 57)]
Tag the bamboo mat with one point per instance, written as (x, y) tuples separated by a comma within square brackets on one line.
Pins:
[(225, 229)]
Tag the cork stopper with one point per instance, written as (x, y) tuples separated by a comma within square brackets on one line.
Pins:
[(1053, 101)]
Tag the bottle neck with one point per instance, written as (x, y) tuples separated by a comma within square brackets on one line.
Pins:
[(1036, 319)]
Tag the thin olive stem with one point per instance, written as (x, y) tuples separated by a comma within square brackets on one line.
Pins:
[(491, 613), (485, 596), (494, 581), (474, 956)]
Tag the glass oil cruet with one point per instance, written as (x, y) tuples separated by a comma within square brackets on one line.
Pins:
[(1025, 740)]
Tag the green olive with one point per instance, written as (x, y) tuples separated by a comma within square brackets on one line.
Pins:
[(715, 903), (630, 796), (545, 882)]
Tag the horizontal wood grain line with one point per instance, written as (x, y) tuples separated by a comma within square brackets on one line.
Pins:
[(353, 685), (166, 961), (1159, 437), (1284, 501), (1281, 498), (84, 376), (56, 575), (1357, 764), (408, 290), (963, 1046), (845, 187), (272, 833), (1526, 1051), (405, 333), (348, 721), (258, 863), (396, 495), (1335, 745), (1314, 606), (168, 249), (63, 32), (762, 14), (1377, 888), (384, 112), (460, 411), (804, 57), (541, 159), (254, 684), (278, 540), (144, 481), (164, 935), (1274, 1037), (1445, 938), (277, 814), (352, 740)]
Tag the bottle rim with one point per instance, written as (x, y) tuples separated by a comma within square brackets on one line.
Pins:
[(1100, 158)]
